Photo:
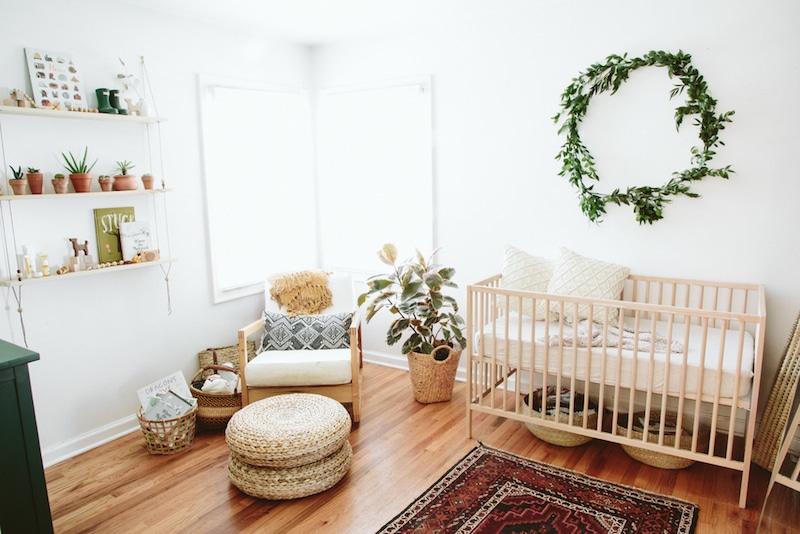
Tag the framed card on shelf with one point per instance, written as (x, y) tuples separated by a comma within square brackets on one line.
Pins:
[(56, 80), (107, 222)]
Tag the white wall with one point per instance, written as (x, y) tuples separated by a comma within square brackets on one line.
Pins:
[(100, 338), (497, 82)]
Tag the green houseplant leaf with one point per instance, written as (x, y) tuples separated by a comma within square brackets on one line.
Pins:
[(413, 291)]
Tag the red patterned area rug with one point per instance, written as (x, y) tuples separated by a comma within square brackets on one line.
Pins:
[(491, 491)]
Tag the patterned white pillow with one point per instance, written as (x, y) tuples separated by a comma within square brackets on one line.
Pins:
[(579, 276), (524, 272), (306, 332)]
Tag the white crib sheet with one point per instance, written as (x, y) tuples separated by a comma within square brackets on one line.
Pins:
[(693, 350)]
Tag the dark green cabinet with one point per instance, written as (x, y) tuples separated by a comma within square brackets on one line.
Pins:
[(24, 506)]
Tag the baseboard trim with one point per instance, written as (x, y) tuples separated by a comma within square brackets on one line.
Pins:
[(89, 440)]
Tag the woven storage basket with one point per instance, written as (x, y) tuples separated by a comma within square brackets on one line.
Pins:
[(168, 436), (660, 459), (433, 380), (561, 438), (214, 410), (220, 355)]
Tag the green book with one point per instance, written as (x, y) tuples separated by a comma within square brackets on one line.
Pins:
[(106, 223)]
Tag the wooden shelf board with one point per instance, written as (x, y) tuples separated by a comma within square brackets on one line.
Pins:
[(84, 195), (60, 114), (69, 276)]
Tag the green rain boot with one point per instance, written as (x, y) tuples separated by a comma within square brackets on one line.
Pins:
[(103, 104), (113, 99)]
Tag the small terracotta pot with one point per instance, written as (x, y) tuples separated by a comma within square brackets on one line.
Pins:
[(82, 182), (19, 186), (147, 181), (60, 185), (106, 183), (35, 181), (125, 182)]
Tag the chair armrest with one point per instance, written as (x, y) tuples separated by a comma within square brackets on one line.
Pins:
[(243, 334)]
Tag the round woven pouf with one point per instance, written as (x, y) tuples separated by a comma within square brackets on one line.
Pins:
[(291, 483), (288, 446)]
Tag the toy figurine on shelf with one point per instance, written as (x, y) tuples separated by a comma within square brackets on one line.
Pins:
[(75, 261)]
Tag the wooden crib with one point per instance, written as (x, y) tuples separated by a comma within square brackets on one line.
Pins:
[(691, 350)]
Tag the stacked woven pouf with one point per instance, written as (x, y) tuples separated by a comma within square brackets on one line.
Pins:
[(288, 446)]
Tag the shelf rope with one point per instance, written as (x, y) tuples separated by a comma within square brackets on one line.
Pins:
[(18, 298)]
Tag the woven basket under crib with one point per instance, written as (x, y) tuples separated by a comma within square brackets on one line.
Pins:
[(214, 410), (432, 380), (168, 436), (660, 459), (562, 438)]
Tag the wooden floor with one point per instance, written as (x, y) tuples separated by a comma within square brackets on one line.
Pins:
[(400, 448)]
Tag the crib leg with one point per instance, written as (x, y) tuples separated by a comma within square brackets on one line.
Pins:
[(743, 490)]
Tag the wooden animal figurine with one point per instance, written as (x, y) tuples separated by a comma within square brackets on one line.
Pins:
[(77, 247), (75, 263), (134, 108), (19, 96)]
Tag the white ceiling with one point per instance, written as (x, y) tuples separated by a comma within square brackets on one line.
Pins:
[(316, 22)]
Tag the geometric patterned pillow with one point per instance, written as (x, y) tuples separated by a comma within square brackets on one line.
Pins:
[(579, 276), (524, 272), (306, 332)]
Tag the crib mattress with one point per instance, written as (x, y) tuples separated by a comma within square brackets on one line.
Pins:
[(702, 354)]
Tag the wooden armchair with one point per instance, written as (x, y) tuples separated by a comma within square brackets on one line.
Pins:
[(333, 372)]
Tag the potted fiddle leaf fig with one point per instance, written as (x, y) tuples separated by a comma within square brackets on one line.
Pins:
[(79, 171), (413, 291), (122, 180)]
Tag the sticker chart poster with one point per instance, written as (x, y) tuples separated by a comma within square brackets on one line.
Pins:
[(107, 222), (56, 81)]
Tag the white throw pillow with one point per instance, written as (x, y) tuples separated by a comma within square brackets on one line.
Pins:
[(579, 276), (524, 272)]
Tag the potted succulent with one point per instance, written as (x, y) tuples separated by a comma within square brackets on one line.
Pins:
[(79, 171), (35, 180), (60, 183), (18, 182), (413, 291), (106, 182), (148, 180), (122, 180)]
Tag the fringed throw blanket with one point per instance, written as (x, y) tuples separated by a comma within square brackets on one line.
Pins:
[(301, 293), (590, 334)]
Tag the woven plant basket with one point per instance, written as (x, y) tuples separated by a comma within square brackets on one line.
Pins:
[(214, 410), (779, 404), (660, 459), (562, 438), (168, 436), (433, 380), (220, 355)]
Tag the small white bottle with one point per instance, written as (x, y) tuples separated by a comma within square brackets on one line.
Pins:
[(44, 262), (28, 261)]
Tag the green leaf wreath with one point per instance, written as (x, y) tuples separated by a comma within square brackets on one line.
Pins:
[(578, 163)]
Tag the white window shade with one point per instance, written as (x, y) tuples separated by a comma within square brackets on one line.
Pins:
[(375, 171), (258, 171)]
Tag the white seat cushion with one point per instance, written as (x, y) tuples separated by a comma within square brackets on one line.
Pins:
[(273, 368)]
